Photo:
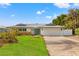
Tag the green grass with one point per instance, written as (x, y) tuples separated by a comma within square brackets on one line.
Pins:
[(26, 46)]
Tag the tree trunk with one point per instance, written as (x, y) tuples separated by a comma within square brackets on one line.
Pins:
[(73, 31)]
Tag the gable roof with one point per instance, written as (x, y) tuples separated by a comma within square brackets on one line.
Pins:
[(20, 24), (37, 25)]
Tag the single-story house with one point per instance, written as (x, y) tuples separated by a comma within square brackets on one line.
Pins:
[(43, 29), (3, 29)]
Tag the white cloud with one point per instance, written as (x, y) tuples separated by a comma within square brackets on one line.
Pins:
[(49, 17), (40, 12), (62, 5), (76, 4), (52, 17), (5, 5), (12, 15), (66, 5)]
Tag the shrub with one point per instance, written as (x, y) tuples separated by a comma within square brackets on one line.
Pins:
[(12, 36), (9, 36), (24, 33)]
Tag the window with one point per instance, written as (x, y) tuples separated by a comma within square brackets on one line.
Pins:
[(20, 29), (24, 29)]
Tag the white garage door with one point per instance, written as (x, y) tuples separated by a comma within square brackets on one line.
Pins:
[(51, 31)]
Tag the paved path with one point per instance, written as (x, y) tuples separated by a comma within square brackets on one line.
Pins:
[(61, 46)]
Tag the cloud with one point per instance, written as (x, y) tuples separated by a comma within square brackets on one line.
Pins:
[(5, 5), (12, 15), (66, 5), (49, 17), (76, 4), (62, 5), (40, 12), (52, 17)]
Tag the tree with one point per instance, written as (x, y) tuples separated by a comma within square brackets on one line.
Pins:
[(72, 20), (59, 20)]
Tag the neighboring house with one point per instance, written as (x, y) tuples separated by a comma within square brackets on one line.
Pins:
[(3, 29), (43, 29)]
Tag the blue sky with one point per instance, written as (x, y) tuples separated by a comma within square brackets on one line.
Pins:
[(27, 13)]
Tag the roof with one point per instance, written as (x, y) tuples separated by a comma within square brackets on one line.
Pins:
[(49, 24), (20, 25), (54, 26), (36, 25)]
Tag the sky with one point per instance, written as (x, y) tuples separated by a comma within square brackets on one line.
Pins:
[(31, 13)]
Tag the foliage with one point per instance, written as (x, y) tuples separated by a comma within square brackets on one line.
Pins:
[(73, 17), (59, 20), (77, 31), (24, 33), (70, 20), (9, 36), (14, 30)]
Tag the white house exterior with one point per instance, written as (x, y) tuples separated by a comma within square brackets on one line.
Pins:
[(3, 29), (43, 29)]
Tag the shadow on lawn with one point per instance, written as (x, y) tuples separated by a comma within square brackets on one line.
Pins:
[(68, 44)]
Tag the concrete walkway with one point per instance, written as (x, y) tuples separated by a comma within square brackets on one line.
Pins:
[(61, 46)]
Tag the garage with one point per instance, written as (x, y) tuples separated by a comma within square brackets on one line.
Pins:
[(55, 30)]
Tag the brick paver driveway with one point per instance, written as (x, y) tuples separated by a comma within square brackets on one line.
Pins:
[(61, 46)]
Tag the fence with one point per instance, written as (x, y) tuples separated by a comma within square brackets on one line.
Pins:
[(67, 32)]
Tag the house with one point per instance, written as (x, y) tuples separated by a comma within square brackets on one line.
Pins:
[(3, 29), (43, 29)]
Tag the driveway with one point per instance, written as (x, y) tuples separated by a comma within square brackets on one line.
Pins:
[(61, 46)]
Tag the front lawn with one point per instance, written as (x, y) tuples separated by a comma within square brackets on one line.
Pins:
[(26, 46)]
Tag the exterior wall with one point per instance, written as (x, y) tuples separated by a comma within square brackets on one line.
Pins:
[(29, 29), (32, 30), (55, 31), (22, 29)]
